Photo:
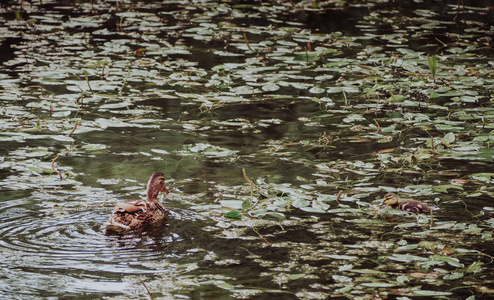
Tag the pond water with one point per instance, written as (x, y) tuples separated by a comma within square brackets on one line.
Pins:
[(279, 126)]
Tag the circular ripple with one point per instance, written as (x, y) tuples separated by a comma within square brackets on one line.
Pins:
[(71, 239)]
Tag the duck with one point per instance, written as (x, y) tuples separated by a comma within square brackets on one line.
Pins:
[(391, 200), (134, 214)]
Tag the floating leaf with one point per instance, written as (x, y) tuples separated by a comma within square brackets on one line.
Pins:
[(296, 276), (427, 293), (270, 87), (234, 204), (407, 258), (234, 214), (450, 260), (341, 278), (224, 285), (449, 138), (316, 90), (343, 257), (377, 284), (453, 276)]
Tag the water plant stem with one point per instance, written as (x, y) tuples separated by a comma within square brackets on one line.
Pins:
[(338, 196), (307, 56), (73, 129), (87, 80), (124, 84), (248, 180), (378, 126), (432, 66), (54, 169), (256, 231), (247, 42), (80, 102), (149, 293)]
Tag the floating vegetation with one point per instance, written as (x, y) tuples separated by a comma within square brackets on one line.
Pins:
[(281, 125)]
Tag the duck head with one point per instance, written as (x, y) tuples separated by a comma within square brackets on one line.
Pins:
[(156, 184)]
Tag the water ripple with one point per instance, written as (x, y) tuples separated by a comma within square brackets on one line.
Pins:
[(75, 239)]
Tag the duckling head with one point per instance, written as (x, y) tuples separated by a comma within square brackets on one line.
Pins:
[(390, 200)]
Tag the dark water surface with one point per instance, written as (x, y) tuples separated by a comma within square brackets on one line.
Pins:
[(310, 98)]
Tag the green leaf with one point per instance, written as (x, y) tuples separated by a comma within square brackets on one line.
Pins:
[(234, 214), (378, 284), (295, 276), (270, 87), (476, 267), (368, 271), (342, 278), (430, 293), (247, 204), (300, 202), (406, 257), (224, 285), (444, 188), (449, 138), (433, 64), (258, 213), (453, 276), (306, 57), (276, 215), (233, 204), (482, 177), (345, 257), (450, 260)]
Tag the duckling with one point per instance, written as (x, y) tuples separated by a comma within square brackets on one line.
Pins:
[(133, 214), (414, 206)]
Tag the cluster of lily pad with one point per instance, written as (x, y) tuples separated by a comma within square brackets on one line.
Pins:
[(389, 104)]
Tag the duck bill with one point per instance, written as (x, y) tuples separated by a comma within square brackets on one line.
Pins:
[(164, 190), (382, 204)]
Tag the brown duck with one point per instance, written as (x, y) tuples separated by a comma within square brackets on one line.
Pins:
[(414, 206), (133, 214)]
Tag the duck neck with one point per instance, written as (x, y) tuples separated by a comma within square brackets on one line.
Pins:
[(152, 195), (395, 205)]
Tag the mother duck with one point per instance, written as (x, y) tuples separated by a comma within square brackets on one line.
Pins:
[(134, 214)]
